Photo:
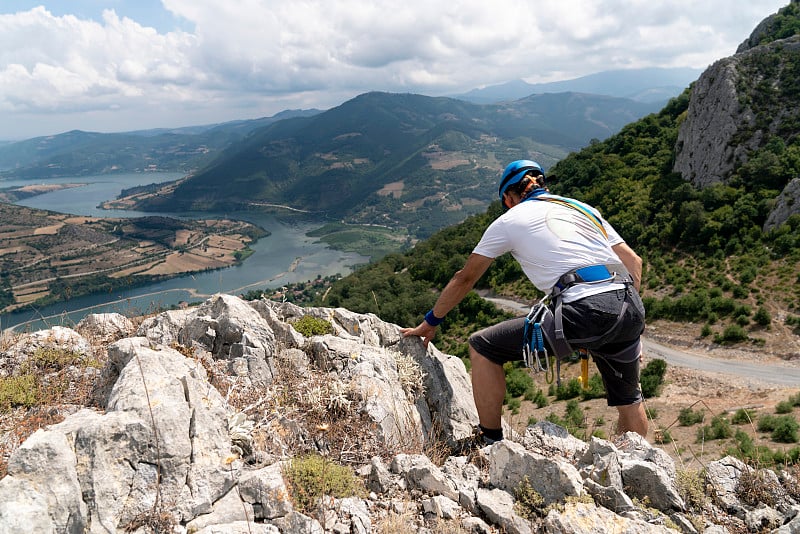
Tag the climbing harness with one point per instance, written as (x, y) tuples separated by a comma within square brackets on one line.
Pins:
[(545, 323)]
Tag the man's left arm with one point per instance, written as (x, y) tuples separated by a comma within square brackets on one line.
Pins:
[(631, 261)]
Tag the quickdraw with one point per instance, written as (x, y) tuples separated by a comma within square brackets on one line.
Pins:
[(533, 342)]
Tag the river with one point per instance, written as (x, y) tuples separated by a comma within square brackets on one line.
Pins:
[(287, 255)]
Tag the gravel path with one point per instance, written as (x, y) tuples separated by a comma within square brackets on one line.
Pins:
[(744, 372)]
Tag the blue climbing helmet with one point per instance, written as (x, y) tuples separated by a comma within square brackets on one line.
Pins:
[(515, 171)]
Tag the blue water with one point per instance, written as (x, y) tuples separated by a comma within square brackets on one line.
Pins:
[(269, 267)]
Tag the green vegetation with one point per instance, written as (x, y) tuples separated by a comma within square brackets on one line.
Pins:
[(45, 379), (745, 449), (689, 417), (652, 377), (691, 486), (782, 25), (367, 240), (17, 391), (311, 477), (241, 255), (528, 502), (742, 416), (312, 326), (782, 428), (720, 428)]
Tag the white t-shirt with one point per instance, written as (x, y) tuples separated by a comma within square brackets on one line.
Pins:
[(549, 240)]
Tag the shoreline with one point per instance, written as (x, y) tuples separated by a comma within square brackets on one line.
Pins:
[(191, 291)]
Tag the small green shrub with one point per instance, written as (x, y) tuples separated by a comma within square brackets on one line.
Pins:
[(595, 390), (554, 418), (785, 430), (689, 417), (663, 437), (691, 488), (541, 400), (652, 377), (17, 391), (719, 428), (529, 503), (53, 359), (312, 326), (732, 334), (570, 390), (518, 381), (311, 477), (742, 417), (744, 445), (574, 414), (762, 317), (784, 407), (44, 379), (767, 423)]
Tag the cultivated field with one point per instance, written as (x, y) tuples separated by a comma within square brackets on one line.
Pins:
[(47, 255)]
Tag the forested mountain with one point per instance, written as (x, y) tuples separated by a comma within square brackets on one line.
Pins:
[(401, 160), (710, 256)]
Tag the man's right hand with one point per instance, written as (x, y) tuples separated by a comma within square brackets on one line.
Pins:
[(424, 330)]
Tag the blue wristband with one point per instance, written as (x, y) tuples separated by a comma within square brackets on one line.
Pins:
[(432, 320)]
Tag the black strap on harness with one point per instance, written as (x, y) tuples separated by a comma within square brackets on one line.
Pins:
[(538, 326)]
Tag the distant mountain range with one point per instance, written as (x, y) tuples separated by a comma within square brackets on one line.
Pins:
[(642, 85), (188, 148)]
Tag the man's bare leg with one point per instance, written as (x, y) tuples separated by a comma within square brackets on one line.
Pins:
[(488, 389), (632, 418)]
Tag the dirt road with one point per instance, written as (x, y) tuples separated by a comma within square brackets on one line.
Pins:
[(781, 374)]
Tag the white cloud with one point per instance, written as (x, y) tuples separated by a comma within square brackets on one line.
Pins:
[(248, 58)]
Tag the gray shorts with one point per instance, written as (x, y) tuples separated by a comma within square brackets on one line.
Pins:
[(616, 357)]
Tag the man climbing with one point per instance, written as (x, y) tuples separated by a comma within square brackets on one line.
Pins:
[(591, 278)]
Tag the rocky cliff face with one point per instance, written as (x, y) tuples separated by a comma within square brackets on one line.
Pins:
[(737, 105), (198, 417)]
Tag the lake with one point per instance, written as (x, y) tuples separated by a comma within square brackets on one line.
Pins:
[(269, 267)]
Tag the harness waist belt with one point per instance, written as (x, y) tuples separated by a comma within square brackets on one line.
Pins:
[(593, 273)]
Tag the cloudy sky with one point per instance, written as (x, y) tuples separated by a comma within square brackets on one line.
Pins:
[(116, 65)]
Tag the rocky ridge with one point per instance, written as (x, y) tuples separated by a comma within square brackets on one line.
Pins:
[(195, 418), (729, 116)]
